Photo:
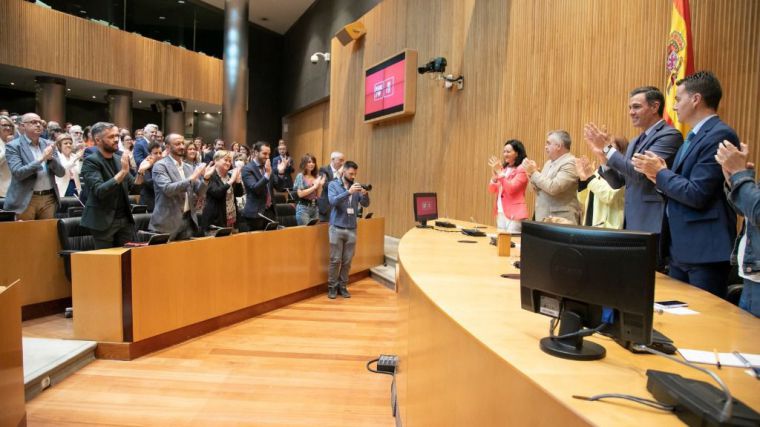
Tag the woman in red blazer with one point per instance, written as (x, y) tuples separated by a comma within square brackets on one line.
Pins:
[(508, 182)]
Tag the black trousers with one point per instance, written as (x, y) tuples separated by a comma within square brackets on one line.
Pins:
[(119, 233), (256, 224)]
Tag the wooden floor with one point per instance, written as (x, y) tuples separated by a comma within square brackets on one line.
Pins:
[(302, 365)]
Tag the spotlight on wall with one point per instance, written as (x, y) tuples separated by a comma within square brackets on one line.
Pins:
[(315, 57)]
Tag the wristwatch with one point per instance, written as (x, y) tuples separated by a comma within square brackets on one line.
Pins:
[(606, 150)]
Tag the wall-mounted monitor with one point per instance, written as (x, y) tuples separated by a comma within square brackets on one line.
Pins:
[(390, 87)]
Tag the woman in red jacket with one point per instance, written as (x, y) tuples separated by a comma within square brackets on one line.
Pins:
[(508, 182)]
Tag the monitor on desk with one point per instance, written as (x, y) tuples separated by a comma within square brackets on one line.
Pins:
[(596, 278), (425, 208)]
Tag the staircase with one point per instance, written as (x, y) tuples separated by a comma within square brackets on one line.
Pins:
[(386, 273), (47, 362)]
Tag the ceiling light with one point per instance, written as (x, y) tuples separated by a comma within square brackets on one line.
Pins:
[(68, 89), (195, 111), (13, 84), (203, 112), (181, 1), (139, 101), (162, 17), (219, 112), (83, 12), (94, 97)]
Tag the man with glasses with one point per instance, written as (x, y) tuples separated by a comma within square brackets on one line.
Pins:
[(33, 162)]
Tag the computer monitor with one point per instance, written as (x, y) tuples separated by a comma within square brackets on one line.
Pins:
[(596, 278), (425, 208)]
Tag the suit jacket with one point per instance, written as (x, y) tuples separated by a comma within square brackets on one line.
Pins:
[(702, 225), (256, 188), (644, 206), (511, 189), (215, 208), (100, 208), (140, 150), (170, 191), (557, 190), (147, 192), (323, 203), (287, 178), (24, 166)]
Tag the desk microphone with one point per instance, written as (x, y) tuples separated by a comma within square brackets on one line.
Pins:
[(271, 221), (476, 223), (78, 200)]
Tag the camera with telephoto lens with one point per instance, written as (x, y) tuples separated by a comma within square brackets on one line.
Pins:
[(367, 187)]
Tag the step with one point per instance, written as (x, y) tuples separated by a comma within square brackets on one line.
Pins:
[(391, 247), (384, 274), (47, 361)]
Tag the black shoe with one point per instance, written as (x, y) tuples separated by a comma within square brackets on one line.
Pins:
[(332, 292), (344, 292)]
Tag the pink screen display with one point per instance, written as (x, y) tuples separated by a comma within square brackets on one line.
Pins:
[(384, 89), (426, 206)]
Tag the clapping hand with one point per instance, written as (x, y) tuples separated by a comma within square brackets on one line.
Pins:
[(146, 164), (282, 165), (597, 137), (584, 168), (125, 162), (47, 153), (208, 170), (732, 159), (529, 166), (235, 175), (495, 165), (268, 167), (648, 164)]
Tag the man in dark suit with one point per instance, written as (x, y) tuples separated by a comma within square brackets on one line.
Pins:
[(147, 192), (259, 183), (643, 206), (107, 212), (330, 171), (286, 177), (141, 143), (33, 163), (209, 156), (177, 186), (701, 224)]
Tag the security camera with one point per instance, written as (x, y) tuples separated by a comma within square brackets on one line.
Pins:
[(315, 57), (435, 65)]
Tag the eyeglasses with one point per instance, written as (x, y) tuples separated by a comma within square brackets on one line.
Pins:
[(33, 122)]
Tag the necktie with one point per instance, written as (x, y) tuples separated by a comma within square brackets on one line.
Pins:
[(269, 195), (684, 147)]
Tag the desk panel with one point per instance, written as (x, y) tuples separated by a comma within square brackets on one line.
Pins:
[(12, 409), (470, 355)]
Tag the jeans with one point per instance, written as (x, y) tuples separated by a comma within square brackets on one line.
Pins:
[(305, 213), (342, 247), (750, 300)]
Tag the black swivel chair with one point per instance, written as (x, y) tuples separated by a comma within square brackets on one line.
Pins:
[(64, 206), (286, 214), (74, 238)]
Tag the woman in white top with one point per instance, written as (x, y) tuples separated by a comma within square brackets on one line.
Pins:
[(68, 184), (6, 134)]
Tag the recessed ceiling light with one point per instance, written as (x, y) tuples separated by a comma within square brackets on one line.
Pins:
[(139, 101), (195, 111), (220, 112), (181, 1), (162, 17), (203, 112), (94, 97), (13, 84), (83, 12), (68, 89)]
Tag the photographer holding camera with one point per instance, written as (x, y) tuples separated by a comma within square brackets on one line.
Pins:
[(345, 196)]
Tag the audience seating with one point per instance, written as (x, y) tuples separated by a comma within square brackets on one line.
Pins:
[(286, 214), (73, 238), (64, 203), (280, 197)]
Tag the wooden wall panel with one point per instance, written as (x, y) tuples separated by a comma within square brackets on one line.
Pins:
[(52, 42), (529, 67), (306, 133)]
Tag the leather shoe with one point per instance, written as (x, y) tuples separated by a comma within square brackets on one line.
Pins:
[(332, 292), (344, 292)]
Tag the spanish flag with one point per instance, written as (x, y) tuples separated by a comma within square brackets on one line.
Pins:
[(680, 59)]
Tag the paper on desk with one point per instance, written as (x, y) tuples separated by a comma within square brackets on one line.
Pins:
[(681, 311), (726, 359)]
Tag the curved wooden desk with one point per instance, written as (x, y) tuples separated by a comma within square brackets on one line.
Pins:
[(135, 301), (469, 354)]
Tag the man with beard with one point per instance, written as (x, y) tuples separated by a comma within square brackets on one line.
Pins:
[(259, 183), (177, 187), (107, 212), (345, 196)]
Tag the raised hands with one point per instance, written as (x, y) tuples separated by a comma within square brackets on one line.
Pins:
[(495, 165), (146, 164), (125, 162), (47, 153), (732, 159), (529, 166), (597, 137), (648, 164), (584, 168), (268, 167), (208, 170)]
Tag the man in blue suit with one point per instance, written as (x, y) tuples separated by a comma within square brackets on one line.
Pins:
[(701, 224), (259, 183), (177, 187), (643, 206), (33, 162), (140, 152)]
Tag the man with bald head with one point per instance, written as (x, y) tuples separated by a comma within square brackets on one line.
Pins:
[(177, 187), (33, 162)]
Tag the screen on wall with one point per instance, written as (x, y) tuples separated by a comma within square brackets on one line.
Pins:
[(389, 87)]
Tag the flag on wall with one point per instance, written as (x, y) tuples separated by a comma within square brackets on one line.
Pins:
[(680, 59)]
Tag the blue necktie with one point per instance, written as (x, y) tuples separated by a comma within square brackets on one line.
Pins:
[(684, 147)]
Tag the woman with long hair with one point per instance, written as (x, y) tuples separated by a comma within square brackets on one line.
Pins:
[(509, 182), (308, 185)]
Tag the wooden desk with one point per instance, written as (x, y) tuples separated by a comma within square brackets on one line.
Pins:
[(155, 296), (12, 409), (29, 251), (469, 354)]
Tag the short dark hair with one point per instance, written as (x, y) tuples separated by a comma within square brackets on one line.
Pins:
[(706, 84), (652, 95), (350, 164), (259, 145), (519, 148), (153, 145)]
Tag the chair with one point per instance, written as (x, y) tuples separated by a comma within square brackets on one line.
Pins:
[(286, 214), (734, 290), (280, 197), (74, 238), (64, 203), (142, 221)]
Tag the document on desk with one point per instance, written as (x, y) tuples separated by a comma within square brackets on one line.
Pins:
[(681, 311), (726, 359)]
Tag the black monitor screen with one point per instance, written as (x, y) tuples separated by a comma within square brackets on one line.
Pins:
[(597, 275), (425, 207)]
